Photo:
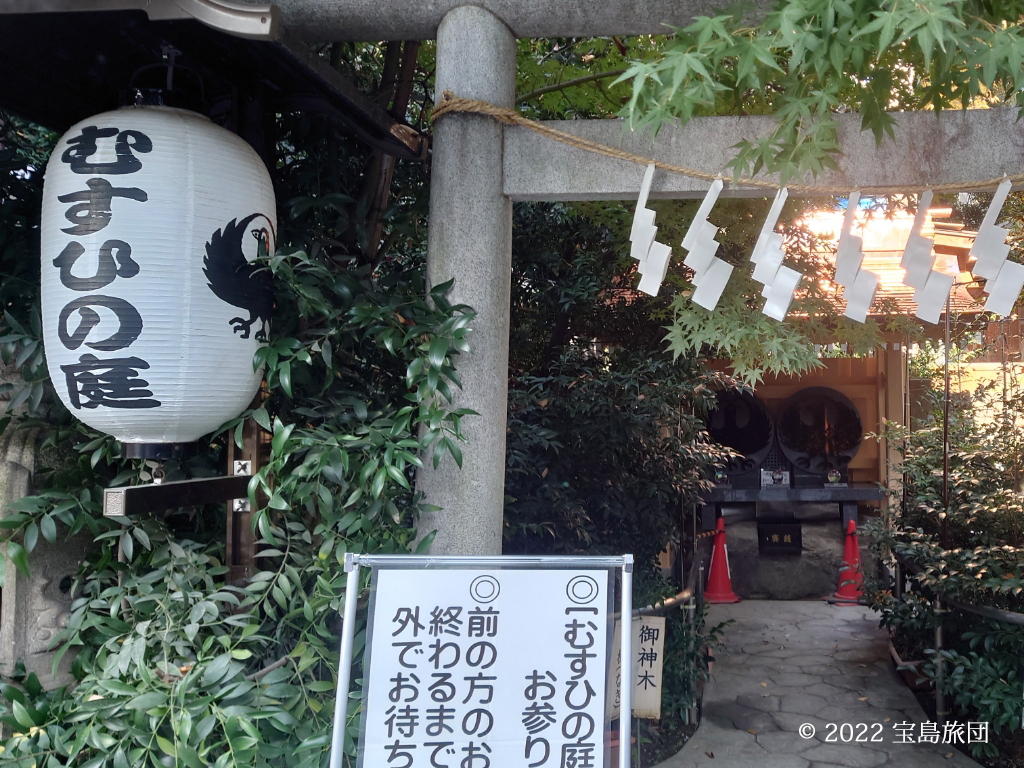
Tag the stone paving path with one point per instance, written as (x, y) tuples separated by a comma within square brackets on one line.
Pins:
[(786, 664)]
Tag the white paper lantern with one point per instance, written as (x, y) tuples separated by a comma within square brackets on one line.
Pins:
[(152, 310)]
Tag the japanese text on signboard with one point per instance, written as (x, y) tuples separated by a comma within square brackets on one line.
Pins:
[(647, 665), (472, 669)]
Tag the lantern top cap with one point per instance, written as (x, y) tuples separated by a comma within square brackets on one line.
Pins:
[(151, 108)]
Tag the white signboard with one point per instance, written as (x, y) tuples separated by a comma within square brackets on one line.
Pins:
[(648, 659), (474, 668)]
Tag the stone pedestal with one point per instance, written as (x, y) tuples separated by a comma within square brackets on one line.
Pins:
[(34, 608), (812, 574)]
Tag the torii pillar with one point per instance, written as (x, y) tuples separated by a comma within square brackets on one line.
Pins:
[(470, 240)]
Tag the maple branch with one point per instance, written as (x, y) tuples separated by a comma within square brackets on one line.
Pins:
[(568, 84)]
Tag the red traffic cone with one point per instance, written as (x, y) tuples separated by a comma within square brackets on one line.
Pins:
[(851, 579), (719, 581)]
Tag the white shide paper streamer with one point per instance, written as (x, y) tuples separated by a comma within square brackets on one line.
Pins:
[(711, 274), (859, 284), (779, 282)]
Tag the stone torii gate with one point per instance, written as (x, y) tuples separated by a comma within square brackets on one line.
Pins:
[(480, 168)]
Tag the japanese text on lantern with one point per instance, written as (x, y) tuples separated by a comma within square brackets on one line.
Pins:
[(110, 381), (470, 669)]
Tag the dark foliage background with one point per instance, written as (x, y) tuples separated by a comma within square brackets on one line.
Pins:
[(607, 450)]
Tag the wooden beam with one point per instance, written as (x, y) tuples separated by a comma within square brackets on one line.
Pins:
[(241, 541), (367, 118), (895, 402), (160, 497)]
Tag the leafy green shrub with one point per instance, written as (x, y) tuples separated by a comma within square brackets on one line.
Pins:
[(986, 680), (24, 148), (693, 641), (605, 451), (173, 663), (911, 621), (978, 564)]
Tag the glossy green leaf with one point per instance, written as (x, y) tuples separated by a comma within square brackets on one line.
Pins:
[(48, 528), (18, 556)]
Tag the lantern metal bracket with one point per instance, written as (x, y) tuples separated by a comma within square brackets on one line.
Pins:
[(154, 498), (254, 22)]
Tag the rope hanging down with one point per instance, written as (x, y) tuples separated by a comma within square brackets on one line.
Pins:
[(451, 103)]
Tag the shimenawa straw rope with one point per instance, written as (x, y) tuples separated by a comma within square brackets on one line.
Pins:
[(452, 104)]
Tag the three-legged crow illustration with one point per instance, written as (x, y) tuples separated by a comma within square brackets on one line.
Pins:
[(241, 284)]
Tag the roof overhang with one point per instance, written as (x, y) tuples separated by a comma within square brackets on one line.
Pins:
[(69, 59), (258, 21)]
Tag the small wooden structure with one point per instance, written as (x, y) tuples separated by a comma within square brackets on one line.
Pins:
[(877, 388), (876, 385)]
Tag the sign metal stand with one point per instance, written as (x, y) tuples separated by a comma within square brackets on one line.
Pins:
[(354, 562)]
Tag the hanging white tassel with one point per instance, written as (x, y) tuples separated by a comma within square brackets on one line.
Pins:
[(654, 257), (643, 231), (990, 249), (779, 295), (769, 239), (860, 294), (702, 214), (849, 255), (931, 299), (1004, 290), (653, 270), (712, 283), (917, 256)]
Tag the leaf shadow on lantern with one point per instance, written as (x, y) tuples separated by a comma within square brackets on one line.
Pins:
[(237, 281)]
